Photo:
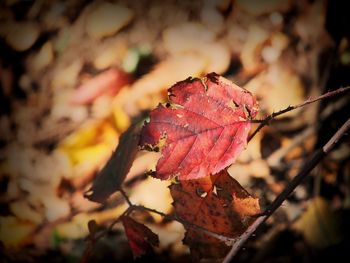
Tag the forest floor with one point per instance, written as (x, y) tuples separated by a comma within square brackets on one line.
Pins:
[(75, 75)]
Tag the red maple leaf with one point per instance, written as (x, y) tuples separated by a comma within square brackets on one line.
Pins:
[(205, 127)]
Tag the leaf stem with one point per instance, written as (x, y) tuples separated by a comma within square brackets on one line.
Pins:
[(126, 197), (307, 168), (270, 117)]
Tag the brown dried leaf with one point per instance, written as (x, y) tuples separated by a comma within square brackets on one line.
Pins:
[(217, 203), (325, 230), (114, 172)]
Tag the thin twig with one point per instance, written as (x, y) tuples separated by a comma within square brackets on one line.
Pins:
[(317, 157), (243, 238), (125, 196), (144, 208), (275, 158), (270, 117), (336, 137)]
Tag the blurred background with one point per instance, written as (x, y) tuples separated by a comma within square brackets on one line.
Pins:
[(74, 75)]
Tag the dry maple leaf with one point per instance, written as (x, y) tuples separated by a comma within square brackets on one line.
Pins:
[(217, 203), (112, 175), (139, 236), (203, 128)]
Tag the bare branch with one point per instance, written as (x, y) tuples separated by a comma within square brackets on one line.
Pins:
[(307, 168), (244, 237), (275, 158), (270, 117)]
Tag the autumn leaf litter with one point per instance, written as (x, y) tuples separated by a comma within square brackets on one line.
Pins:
[(51, 148)]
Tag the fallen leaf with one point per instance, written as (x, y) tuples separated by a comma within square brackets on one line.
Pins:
[(279, 42), (55, 208), (217, 203), (244, 172), (139, 236), (112, 175), (94, 153), (253, 150), (109, 81), (81, 204), (15, 232), (256, 7), (159, 200), (23, 211), (196, 38), (101, 106), (82, 137), (278, 87), (144, 162), (43, 58), (77, 226), (251, 51), (121, 119), (319, 224), (159, 79), (309, 25), (89, 147), (218, 56), (186, 36), (106, 19), (66, 77), (203, 128), (21, 36), (170, 235), (110, 53), (212, 18)]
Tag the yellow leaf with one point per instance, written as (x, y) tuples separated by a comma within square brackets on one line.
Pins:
[(93, 143), (108, 135), (121, 119), (14, 232), (78, 226), (91, 153), (159, 79), (81, 137), (319, 224), (22, 210)]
